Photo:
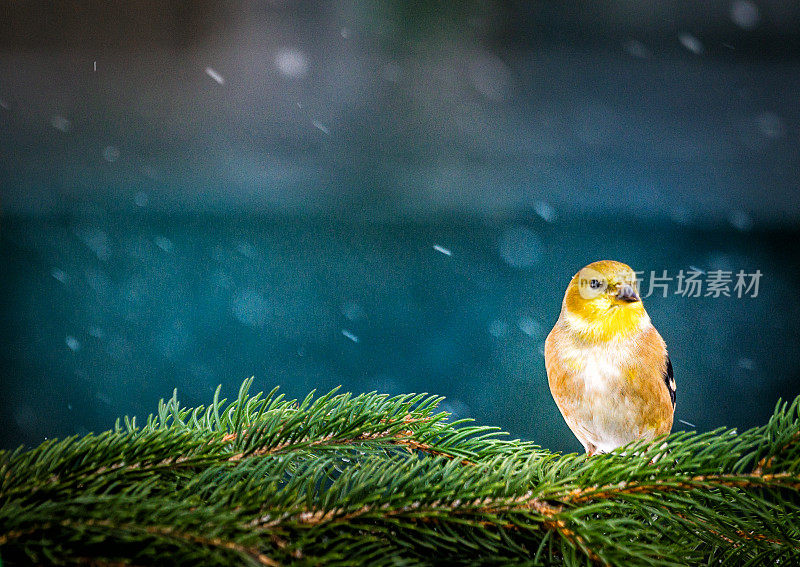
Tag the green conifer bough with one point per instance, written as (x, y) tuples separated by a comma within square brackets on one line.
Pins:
[(378, 480)]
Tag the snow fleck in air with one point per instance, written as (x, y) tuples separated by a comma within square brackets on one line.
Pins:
[(250, 308), (60, 275), (770, 125), (391, 72), (456, 408), (73, 343), (97, 333), (214, 75), (3, 104), (529, 326), (291, 62), (720, 261), (691, 43), (111, 154), (637, 49), (321, 127), (498, 328), (745, 14), (103, 397), (747, 363), (149, 171), (201, 372), (119, 348), (247, 250), (97, 280), (353, 311), (680, 214), (164, 243), (349, 335), (740, 220), (490, 76), (442, 249), (222, 280), (345, 33), (141, 199), (61, 123), (520, 247), (545, 211), (172, 339), (26, 417), (687, 423), (97, 241)]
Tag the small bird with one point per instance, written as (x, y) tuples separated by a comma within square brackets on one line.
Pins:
[(607, 366)]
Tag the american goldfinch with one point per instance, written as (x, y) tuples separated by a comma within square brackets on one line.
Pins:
[(607, 366)]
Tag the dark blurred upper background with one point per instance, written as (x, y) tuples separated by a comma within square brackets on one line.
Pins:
[(195, 192)]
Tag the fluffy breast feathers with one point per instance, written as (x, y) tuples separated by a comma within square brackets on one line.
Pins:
[(613, 391)]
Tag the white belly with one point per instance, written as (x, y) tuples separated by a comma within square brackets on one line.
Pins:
[(604, 413)]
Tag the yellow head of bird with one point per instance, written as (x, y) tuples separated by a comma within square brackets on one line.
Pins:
[(602, 301)]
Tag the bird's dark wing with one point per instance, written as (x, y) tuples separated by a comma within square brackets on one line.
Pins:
[(669, 380)]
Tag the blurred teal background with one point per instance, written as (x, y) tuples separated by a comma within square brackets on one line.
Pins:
[(386, 196)]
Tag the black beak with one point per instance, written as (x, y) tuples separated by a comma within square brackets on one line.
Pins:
[(627, 293)]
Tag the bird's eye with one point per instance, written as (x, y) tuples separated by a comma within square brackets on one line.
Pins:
[(595, 284)]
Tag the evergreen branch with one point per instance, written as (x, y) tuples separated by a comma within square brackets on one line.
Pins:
[(343, 479)]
